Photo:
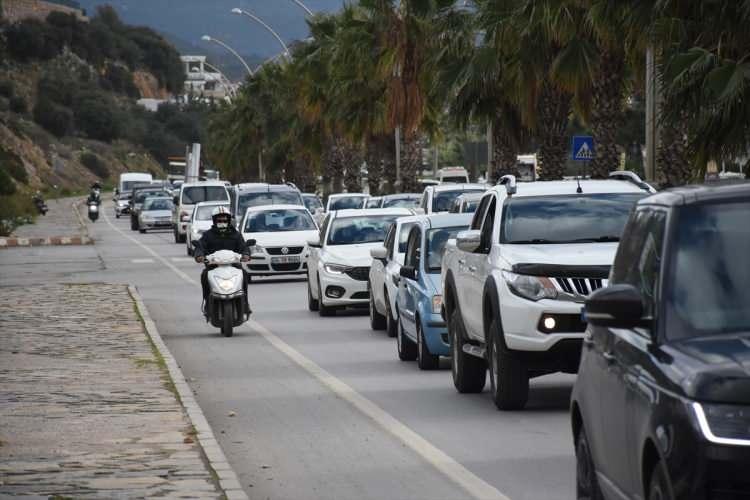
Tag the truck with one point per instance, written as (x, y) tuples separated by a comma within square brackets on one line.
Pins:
[(129, 179), (515, 281), (456, 175)]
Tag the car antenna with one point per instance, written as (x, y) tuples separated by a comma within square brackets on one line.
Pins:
[(579, 190)]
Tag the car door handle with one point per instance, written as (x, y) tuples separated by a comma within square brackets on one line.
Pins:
[(609, 357)]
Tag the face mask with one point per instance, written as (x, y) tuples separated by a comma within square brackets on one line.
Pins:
[(222, 225)]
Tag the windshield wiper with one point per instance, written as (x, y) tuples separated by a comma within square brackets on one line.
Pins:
[(598, 239), (535, 241)]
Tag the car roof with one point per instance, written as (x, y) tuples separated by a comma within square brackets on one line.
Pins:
[(260, 187), (202, 183), (438, 221), (264, 208), (211, 204), (399, 196), (364, 212), (698, 193), (456, 187), (588, 186), (470, 196), (344, 195), (310, 195)]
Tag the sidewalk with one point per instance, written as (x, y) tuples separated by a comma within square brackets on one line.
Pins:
[(86, 407), (60, 226)]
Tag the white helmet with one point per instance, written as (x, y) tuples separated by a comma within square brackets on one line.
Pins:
[(220, 210)]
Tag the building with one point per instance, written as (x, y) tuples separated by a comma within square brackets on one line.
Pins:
[(16, 10), (200, 81)]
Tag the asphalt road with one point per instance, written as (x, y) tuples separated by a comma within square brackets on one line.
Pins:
[(323, 407)]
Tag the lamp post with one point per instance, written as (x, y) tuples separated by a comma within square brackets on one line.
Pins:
[(227, 81), (207, 38), (298, 2), (260, 21)]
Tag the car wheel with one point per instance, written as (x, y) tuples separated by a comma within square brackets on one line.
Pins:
[(587, 487), (407, 350), (659, 487), (117, 216), (391, 326), (425, 359), (469, 372), (323, 309), (141, 230), (509, 379), (312, 303), (189, 250), (377, 320), (133, 223), (181, 238), (176, 236)]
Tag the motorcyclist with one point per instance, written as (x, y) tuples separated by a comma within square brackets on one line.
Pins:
[(95, 194), (221, 236)]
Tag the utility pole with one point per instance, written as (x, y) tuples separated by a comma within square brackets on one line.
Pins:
[(261, 174), (489, 151), (653, 113), (397, 137)]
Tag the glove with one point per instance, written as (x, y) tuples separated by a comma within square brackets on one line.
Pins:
[(199, 259), (245, 258)]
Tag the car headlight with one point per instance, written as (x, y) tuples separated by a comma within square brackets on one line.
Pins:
[(336, 268), (256, 249), (147, 218), (437, 303), (226, 284), (724, 424), (530, 287)]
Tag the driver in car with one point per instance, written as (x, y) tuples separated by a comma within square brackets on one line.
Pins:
[(221, 236)]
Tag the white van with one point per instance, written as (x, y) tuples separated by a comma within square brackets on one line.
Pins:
[(453, 175), (129, 179), (192, 193)]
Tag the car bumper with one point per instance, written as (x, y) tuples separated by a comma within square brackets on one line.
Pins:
[(436, 334), (181, 228), (522, 321), (156, 224), (268, 265), (122, 210), (354, 292)]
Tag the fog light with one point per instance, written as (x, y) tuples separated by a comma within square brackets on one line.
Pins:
[(334, 292), (550, 323)]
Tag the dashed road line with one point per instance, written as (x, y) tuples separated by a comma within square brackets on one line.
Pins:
[(142, 261)]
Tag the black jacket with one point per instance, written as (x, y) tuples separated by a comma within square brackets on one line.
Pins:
[(213, 240)]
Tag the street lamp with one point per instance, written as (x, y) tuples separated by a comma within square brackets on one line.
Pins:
[(260, 21), (298, 2), (207, 38)]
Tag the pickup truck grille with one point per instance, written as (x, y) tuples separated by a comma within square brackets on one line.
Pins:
[(581, 287)]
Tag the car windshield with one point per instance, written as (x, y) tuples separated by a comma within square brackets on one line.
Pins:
[(436, 240), (354, 230), (312, 203), (140, 197), (347, 202), (279, 220), (205, 212), (583, 218), (129, 185), (258, 199), (157, 204), (403, 236), (455, 179), (706, 292), (470, 206), (196, 194), (373, 203), (441, 200), (402, 202)]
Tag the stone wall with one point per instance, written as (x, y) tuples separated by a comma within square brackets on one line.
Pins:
[(15, 10)]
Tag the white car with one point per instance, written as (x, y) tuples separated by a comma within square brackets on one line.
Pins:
[(436, 199), (190, 195), (384, 275), (200, 222), (345, 201), (339, 263), (280, 233)]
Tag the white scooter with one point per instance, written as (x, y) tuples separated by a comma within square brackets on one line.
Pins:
[(93, 211), (225, 308)]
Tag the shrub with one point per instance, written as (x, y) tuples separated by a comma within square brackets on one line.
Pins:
[(57, 119), (13, 165), (15, 210), (95, 164), (18, 105), (120, 80), (7, 186), (96, 115), (32, 39), (6, 88)]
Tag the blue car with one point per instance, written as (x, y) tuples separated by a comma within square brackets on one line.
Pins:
[(422, 333)]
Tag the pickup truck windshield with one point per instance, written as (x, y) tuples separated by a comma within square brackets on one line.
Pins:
[(354, 230), (348, 202), (706, 292), (246, 200), (436, 240), (196, 194), (442, 200), (274, 221), (580, 218)]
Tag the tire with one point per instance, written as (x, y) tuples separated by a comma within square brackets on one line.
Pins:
[(469, 372), (587, 487), (391, 324), (324, 310), (181, 238), (509, 379), (312, 303), (117, 216), (189, 249), (377, 320), (176, 236), (142, 231), (133, 223), (407, 350), (227, 322), (425, 359), (660, 488)]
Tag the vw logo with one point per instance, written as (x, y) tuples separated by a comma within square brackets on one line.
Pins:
[(284, 250)]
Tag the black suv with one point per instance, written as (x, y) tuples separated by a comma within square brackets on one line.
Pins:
[(661, 407)]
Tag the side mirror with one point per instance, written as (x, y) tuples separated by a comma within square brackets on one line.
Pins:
[(176, 200), (379, 253), (250, 243), (468, 241), (314, 243), (408, 272), (616, 306), (117, 191)]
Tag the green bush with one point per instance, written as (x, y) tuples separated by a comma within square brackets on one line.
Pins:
[(7, 186), (32, 39), (120, 80), (15, 210), (95, 164), (57, 119), (18, 105), (13, 165), (7, 89), (97, 116)]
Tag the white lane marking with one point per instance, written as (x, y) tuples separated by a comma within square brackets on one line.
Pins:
[(142, 261), (463, 477), (183, 259)]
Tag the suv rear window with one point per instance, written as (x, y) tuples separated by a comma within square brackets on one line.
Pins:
[(196, 194), (442, 200), (584, 218), (246, 200)]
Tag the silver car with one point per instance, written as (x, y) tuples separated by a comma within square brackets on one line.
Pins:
[(156, 213)]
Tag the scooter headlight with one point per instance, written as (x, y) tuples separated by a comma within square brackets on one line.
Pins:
[(226, 285)]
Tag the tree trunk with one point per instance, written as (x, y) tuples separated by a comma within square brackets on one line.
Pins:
[(351, 161), (504, 154), (387, 152), (607, 113), (304, 175), (554, 108), (375, 164), (331, 168), (411, 163), (673, 156)]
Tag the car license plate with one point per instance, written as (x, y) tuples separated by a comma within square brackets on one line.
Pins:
[(286, 259)]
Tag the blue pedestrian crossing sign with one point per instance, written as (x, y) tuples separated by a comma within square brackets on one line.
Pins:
[(583, 148)]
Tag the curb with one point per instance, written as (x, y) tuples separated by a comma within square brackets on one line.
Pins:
[(45, 242), (82, 223), (217, 461)]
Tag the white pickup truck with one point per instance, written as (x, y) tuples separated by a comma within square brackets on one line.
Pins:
[(515, 281)]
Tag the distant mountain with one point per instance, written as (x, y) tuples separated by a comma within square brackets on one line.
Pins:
[(186, 21)]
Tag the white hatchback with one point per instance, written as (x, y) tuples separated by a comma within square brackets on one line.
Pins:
[(281, 233), (200, 221)]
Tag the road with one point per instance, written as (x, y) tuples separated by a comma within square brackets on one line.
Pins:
[(323, 407)]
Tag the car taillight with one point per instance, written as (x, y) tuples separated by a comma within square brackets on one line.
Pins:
[(184, 217)]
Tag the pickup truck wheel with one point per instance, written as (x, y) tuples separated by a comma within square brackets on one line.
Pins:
[(659, 487), (377, 320), (324, 310), (509, 380), (469, 372), (587, 487), (391, 326), (425, 359), (407, 350), (312, 303)]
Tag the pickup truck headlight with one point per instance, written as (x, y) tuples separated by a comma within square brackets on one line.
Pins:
[(530, 287), (335, 268), (437, 303), (724, 424)]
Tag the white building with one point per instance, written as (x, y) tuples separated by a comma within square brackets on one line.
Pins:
[(202, 82)]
